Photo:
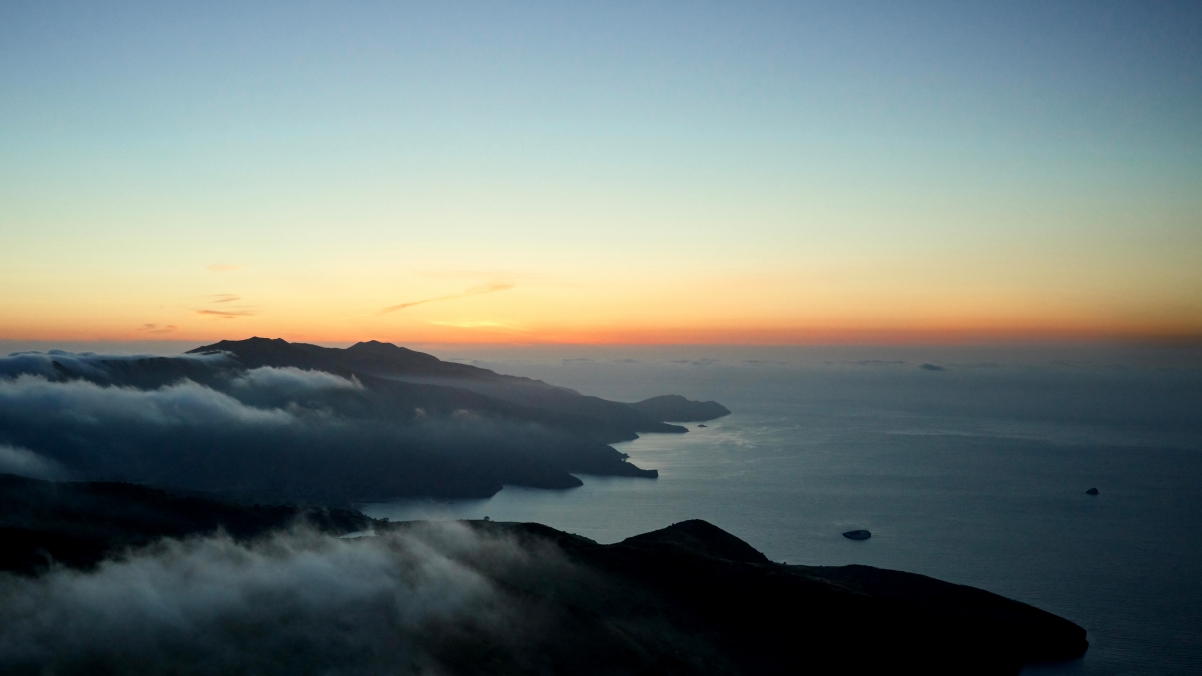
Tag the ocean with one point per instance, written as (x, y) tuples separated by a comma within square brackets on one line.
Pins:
[(970, 465)]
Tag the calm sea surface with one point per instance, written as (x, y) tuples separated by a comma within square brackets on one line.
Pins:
[(975, 473)]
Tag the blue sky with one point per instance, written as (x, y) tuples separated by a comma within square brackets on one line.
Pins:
[(888, 166)]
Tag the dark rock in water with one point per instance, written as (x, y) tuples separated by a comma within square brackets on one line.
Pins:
[(1092, 491), (857, 535), (687, 599)]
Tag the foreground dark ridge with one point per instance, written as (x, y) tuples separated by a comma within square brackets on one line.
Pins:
[(79, 524), (687, 599)]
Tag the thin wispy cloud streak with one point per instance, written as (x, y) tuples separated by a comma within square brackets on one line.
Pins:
[(155, 328), (227, 314), (474, 291)]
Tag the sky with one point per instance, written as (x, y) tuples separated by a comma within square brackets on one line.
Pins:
[(608, 172)]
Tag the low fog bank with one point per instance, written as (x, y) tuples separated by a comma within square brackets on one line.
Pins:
[(158, 348), (274, 433), (23, 462), (504, 598), (404, 602)]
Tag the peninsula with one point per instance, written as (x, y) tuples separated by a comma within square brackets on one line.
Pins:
[(268, 420)]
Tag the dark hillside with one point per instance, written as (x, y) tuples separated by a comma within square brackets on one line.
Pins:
[(686, 599), (79, 524), (388, 361), (279, 421)]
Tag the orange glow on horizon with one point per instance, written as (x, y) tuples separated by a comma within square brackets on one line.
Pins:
[(812, 334)]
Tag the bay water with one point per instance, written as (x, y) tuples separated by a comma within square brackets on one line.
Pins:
[(970, 465)]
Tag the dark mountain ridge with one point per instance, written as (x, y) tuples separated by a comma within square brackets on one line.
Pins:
[(79, 524), (687, 599), (388, 361), (269, 420)]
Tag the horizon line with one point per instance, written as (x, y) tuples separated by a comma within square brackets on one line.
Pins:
[(923, 339)]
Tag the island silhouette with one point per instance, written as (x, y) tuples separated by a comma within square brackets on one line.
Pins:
[(269, 420)]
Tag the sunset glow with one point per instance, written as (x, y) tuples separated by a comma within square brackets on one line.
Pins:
[(780, 176)]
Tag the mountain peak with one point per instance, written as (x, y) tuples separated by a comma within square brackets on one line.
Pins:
[(374, 345), (700, 537)]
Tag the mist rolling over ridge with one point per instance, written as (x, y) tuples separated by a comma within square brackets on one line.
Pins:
[(331, 591), (291, 603), (223, 422), (600, 339)]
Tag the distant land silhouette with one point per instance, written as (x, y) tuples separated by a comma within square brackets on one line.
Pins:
[(687, 599), (619, 422), (265, 419)]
